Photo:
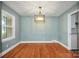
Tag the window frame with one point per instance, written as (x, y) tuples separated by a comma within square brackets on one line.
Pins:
[(13, 26)]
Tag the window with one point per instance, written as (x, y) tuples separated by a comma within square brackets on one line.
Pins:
[(8, 26)]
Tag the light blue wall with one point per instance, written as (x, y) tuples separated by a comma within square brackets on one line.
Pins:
[(63, 23), (17, 28), (30, 31)]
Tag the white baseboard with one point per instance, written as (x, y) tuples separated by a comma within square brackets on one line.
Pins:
[(9, 49), (53, 41), (62, 45), (38, 41)]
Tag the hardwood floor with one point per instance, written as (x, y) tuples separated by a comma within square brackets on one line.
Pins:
[(39, 50)]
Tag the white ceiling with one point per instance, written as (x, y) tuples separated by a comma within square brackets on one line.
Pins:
[(49, 8)]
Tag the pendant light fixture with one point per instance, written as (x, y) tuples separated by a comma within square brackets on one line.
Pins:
[(39, 18)]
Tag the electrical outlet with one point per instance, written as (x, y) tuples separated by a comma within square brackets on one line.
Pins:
[(7, 45)]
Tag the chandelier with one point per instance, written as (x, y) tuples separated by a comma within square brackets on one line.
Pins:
[(39, 18)]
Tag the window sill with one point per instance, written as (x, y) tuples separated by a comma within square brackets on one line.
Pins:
[(7, 39)]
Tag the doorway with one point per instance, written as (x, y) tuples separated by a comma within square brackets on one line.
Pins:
[(73, 30)]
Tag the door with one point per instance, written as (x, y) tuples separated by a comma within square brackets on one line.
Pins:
[(74, 28)]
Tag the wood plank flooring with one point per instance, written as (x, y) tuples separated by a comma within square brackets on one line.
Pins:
[(39, 50)]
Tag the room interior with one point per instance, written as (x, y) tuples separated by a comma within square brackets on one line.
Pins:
[(47, 27)]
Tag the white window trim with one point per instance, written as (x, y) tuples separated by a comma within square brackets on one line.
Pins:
[(13, 26)]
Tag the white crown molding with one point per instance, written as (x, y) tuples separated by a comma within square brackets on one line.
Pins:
[(49, 8), (53, 41)]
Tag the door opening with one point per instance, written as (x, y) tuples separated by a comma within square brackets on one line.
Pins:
[(73, 30)]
